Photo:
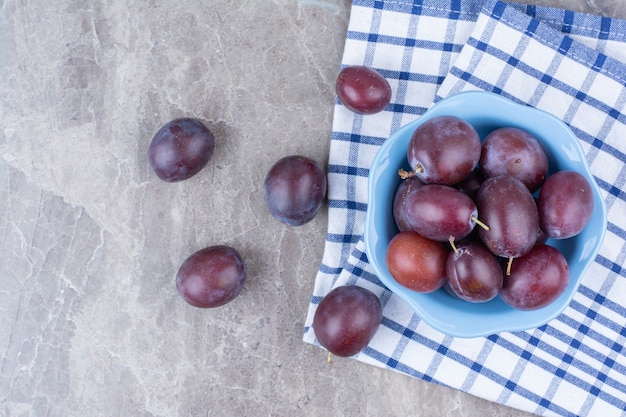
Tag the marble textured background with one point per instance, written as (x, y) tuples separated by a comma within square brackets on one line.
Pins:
[(90, 320)]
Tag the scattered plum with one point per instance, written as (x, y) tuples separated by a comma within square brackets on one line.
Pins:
[(347, 319), (180, 149), (362, 90), (211, 277), (294, 190)]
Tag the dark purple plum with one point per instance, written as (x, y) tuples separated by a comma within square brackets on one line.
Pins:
[(211, 277), (406, 187), (443, 150), (440, 211), (180, 149), (509, 209), (474, 273), (294, 190), (362, 90), (536, 279), (513, 151), (565, 204), (347, 319)]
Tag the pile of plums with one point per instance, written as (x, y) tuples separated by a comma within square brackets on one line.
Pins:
[(474, 218)]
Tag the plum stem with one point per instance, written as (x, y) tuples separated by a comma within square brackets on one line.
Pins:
[(404, 174), (329, 358), (481, 224), (454, 248), (508, 266)]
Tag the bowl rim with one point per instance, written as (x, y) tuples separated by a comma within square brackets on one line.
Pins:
[(457, 104)]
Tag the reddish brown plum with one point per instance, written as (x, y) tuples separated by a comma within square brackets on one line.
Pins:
[(508, 208), (362, 90), (443, 150), (294, 190), (565, 204), (347, 319), (536, 279), (180, 149), (211, 277), (513, 151), (405, 188), (416, 262), (440, 211)]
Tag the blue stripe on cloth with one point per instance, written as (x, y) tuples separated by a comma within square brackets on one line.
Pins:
[(362, 273), (612, 189), (349, 205), (466, 10), (613, 266), (357, 138), (403, 41), (568, 20), (336, 238), (348, 170), (605, 27), (325, 269)]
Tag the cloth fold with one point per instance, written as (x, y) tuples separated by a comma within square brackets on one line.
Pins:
[(570, 64)]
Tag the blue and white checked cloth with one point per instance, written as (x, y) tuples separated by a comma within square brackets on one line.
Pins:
[(570, 64)]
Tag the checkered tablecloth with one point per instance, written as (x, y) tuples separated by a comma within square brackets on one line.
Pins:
[(570, 64)]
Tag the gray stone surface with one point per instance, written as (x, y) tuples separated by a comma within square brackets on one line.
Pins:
[(90, 320)]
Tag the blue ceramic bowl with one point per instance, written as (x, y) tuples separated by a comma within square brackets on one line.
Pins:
[(486, 112)]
